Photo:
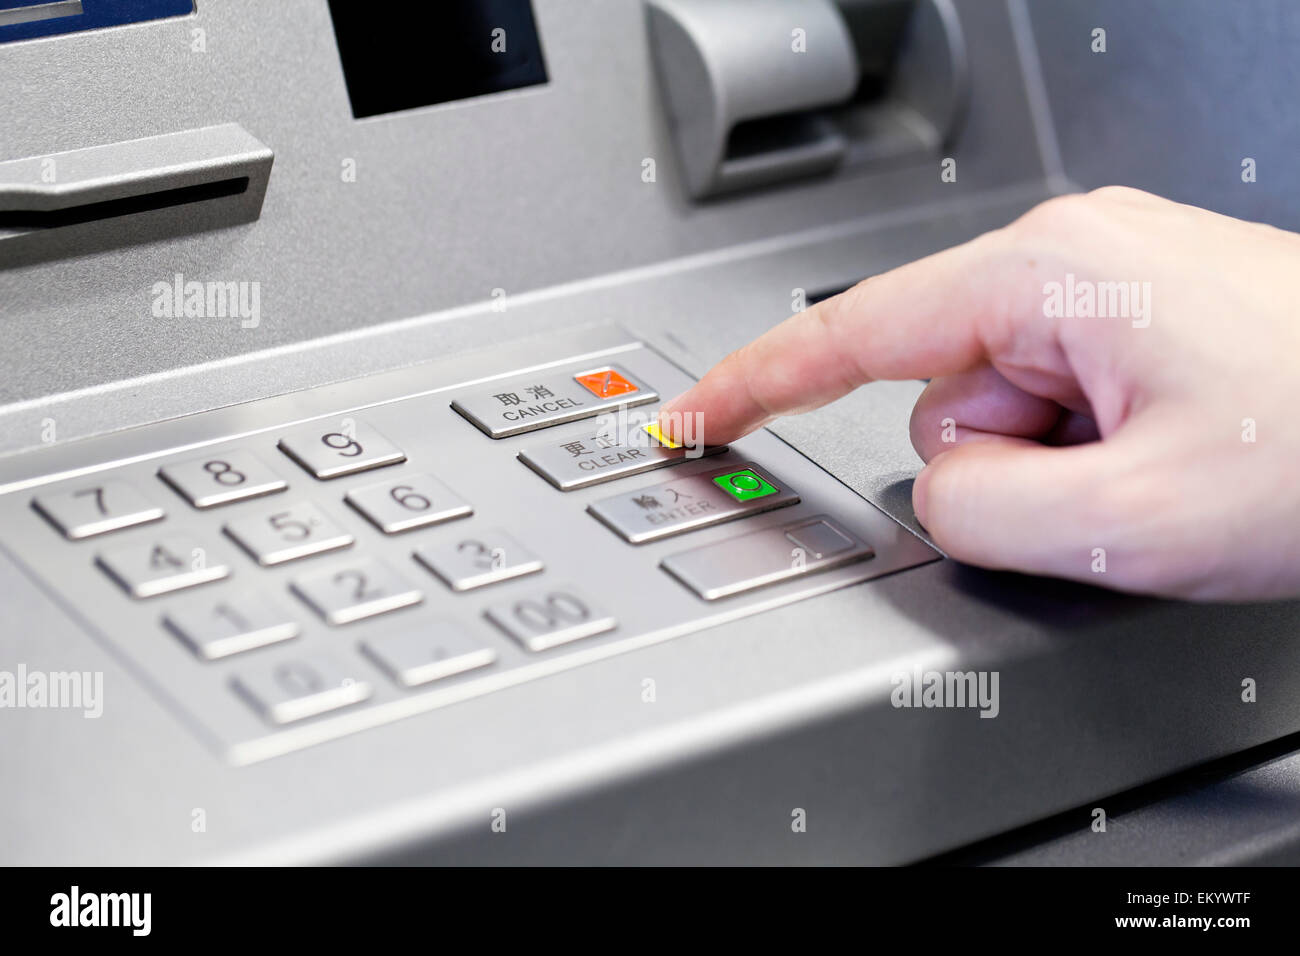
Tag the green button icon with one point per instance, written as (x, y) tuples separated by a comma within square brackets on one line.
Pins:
[(744, 485)]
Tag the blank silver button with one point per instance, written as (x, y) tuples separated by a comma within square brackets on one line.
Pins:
[(551, 398), (482, 558), (333, 449), (221, 478), (765, 557), (614, 452), (96, 508), (159, 565), (229, 625), (298, 531), (819, 539), (301, 687), (550, 617), (406, 503), (433, 650), (686, 504), (350, 592)]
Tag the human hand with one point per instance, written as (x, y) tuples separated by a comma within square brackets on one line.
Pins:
[(1155, 451)]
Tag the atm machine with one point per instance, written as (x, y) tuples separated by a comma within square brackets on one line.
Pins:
[(329, 527)]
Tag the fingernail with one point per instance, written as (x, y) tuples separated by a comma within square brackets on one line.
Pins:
[(667, 417)]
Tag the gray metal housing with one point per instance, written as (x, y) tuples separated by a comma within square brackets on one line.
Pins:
[(385, 242)]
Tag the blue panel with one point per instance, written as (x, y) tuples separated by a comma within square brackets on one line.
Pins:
[(63, 18)]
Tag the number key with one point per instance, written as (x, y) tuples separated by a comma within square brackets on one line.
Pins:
[(221, 478), (437, 648), (92, 509), (297, 531), (346, 593), (549, 618), (301, 687), (166, 564), (338, 448), (477, 560), (412, 501), (231, 624)]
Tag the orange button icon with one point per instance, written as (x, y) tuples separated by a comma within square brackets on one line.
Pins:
[(605, 383)]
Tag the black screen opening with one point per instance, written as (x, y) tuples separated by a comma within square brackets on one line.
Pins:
[(404, 56)]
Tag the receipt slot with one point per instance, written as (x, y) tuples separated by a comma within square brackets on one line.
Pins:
[(762, 91)]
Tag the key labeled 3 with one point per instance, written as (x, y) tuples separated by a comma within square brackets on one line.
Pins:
[(472, 562)]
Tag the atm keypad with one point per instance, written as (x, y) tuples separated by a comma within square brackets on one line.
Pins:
[(424, 548)]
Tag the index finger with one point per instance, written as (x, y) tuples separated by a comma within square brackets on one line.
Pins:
[(922, 320)]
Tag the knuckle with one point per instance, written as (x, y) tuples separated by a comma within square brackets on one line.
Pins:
[(1123, 194), (839, 308), (1051, 217), (830, 321)]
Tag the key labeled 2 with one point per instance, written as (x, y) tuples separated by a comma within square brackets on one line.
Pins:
[(363, 588)]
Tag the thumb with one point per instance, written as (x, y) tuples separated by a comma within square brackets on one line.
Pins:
[(1013, 504)]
